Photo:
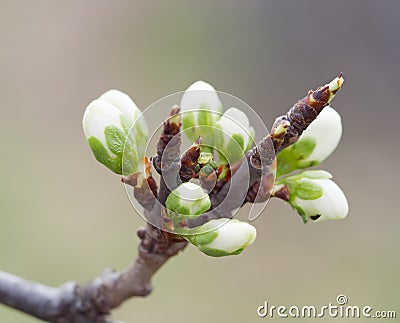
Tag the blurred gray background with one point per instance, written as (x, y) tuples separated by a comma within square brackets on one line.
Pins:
[(65, 217)]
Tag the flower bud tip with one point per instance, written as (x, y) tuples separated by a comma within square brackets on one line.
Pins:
[(335, 85)]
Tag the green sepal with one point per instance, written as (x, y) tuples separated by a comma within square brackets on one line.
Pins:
[(218, 136), (219, 114), (115, 139), (316, 174), (206, 149), (307, 190), (301, 212), (136, 137), (203, 238), (206, 170), (213, 164), (172, 202), (239, 142), (224, 172), (130, 165), (217, 252), (234, 150), (204, 116), (102, 156), (126, 123), (189, 125), (205, 158), (139, 137), (294, 156), (251, 143), (300, 187), (179, 211)]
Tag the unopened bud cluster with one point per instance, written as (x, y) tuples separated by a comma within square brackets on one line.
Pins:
[(117, 135)]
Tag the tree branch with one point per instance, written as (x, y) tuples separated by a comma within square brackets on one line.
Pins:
[(255, 166), (167, 160), (288, 128), (35, 299), (91, 303)]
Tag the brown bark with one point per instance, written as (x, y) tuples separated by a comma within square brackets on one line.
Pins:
[(92, 302)]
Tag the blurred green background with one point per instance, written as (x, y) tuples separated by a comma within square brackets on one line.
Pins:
[(65, 217)]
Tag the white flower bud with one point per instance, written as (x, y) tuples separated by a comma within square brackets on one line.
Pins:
[(315, 196), (316, 143), (201, 95), (200, 107), (111, 122), (236, 133), (334, 86), (326, 131), (188, 200), (223, 237), (332, 205)]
